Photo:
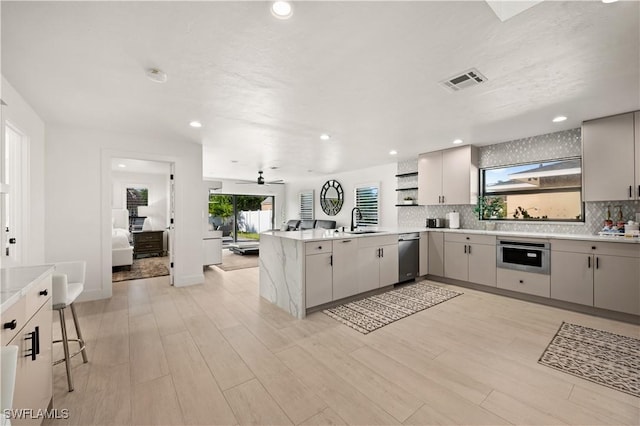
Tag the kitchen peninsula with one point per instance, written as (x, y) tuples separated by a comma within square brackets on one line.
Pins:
[(300, 270)]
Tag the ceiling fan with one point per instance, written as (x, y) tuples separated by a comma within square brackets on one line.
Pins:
[(260, 181)]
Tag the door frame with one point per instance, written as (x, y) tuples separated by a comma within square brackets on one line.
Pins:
[(24, 196), (106, 203)]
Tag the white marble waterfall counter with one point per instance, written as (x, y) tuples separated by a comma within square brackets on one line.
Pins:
[(282, 263), (281, 272)]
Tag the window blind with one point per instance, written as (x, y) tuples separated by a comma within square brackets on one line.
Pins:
[(367, 202), (306, 205)]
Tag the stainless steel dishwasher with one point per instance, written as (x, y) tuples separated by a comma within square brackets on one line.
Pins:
[(408, 256)]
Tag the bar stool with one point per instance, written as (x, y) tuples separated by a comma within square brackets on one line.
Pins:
[(68, 283), (8, 362)]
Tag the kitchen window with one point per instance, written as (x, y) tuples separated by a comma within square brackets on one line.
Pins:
[(367, 201), (541, 191)]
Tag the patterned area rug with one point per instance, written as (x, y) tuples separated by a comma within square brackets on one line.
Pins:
[(369, 314), (595, 355), (147, 267)]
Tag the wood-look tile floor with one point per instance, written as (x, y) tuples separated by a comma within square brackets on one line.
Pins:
[(219, 354)]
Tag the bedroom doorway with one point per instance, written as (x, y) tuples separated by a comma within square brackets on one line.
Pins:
[(142, 219)]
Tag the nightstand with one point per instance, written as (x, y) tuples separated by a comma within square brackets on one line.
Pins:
[(147, 242)]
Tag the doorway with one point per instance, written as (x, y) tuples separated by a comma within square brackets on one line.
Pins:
[(241, 218), (142, 208), (16, 200)]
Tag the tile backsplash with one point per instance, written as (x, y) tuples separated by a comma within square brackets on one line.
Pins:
[(537, 148)]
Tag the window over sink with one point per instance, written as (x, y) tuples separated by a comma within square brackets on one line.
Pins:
[(542, 191)]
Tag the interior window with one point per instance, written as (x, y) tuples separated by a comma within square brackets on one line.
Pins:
[(547, 190), (367, 201)]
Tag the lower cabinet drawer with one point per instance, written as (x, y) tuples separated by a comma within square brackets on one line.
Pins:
[(524, 282), (12, 320)]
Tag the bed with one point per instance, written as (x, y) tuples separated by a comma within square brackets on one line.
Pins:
[(121, 250)]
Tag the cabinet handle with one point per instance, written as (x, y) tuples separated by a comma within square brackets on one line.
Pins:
[(469, 248), (521, 281), (33, 337), (630, 193), (593, 247), (638, 191), (443, 199), (589, 262), (44, 292), (37, 340), (331, 260), (597, 263), (346, 241), (382, 252), (465, 249), (319, 247), (11, 325)]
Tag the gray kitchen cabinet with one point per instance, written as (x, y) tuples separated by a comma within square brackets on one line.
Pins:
[(436, 254), (448, 177), (637, 150), (617, 284), (469, 257), (610, 169), (318, 274), (600, 274), (377, 262), (345, 268), (572, 276), (524, 282), (423, 268)]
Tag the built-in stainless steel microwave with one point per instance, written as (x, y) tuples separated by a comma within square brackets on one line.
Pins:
[(523, 256)]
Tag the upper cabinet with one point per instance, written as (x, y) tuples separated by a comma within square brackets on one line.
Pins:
[(611, 158), (448, 177)]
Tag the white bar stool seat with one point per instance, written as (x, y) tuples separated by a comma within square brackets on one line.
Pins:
[(68, 283)]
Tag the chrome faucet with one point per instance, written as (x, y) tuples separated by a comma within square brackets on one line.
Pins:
[(355, 209)]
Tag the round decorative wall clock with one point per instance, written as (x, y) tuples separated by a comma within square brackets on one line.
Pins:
[(331, 197)]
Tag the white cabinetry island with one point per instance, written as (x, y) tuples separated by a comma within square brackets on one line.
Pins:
[(306, 269)]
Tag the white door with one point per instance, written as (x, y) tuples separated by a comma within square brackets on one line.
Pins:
[(16, 160)]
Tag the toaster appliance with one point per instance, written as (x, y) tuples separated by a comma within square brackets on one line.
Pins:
[(436, 223)]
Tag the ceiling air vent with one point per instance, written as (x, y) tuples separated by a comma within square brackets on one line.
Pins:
[(463, 80)]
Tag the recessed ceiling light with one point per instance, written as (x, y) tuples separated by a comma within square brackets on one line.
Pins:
[(156, 75), (121, 165), (234, 161), (393, 152), (273, 167), (559, 119), (325, 137), (195, 124), (609, 1), (282, 9), (457, 141)]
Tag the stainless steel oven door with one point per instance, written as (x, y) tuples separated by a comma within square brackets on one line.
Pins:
[(523, 256)]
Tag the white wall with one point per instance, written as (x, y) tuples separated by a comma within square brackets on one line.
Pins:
[(78, 200), (227, 186), (23, 117), (384, 174), (158, 186)]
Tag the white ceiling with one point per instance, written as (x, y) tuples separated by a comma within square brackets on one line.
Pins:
[(367, 73)]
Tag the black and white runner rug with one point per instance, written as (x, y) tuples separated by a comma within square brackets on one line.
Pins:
[(599, 356), (373, 312)]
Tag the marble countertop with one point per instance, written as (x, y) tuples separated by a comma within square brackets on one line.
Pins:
[(16, 282), (327, 234)]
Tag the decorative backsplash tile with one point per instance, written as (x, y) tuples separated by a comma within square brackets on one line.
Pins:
[(537, 148)]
